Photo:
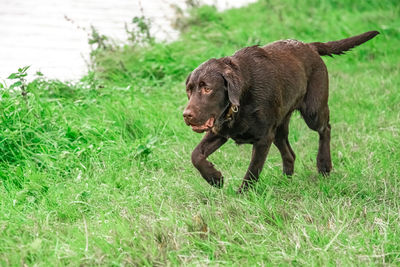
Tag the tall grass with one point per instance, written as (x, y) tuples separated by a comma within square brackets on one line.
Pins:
[(98, 172)]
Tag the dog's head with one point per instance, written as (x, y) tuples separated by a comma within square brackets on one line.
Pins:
[(211, 89)]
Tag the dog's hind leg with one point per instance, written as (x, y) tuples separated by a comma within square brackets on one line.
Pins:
[(320, 122), (282, 143), (315, 112)]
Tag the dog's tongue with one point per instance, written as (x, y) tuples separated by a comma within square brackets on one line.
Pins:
[(207, 125), (210, 122)]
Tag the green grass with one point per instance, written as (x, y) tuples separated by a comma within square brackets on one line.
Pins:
[(99, 173)]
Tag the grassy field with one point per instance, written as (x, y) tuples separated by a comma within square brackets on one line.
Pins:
[(98, 172)]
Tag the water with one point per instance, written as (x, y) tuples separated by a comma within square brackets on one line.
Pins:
[(37, 33)]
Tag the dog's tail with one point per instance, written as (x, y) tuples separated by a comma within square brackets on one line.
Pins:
[(339, 47)]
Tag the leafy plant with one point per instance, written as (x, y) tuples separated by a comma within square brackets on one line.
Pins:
[(139, 31), (145, 147), (96, 38), (20, 78), (198, 15)]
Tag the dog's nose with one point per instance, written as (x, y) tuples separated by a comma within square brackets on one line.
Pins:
[(187, 114)]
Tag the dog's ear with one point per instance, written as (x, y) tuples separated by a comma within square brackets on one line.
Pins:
[(188, 78), (233, 81), (188, 92)]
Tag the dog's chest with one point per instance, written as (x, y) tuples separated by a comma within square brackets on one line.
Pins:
[(247, 128), (244, 138), (246, 132)]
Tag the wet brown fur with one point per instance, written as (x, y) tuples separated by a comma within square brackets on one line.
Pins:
[(267, 84)]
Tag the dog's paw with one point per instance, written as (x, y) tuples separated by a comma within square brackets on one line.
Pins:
[(324, 168), (288, 172), (324, 172), (217, 182), (243, 189), (324, 164)]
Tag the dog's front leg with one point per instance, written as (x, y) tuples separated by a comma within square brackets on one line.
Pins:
[(258, 156), (206, 147)]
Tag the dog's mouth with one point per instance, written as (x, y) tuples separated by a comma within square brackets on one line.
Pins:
[(204, 127)]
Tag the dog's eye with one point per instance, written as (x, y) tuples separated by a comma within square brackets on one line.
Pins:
[(206, 90)]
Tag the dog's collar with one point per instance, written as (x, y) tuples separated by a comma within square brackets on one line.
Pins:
[(226, 117), (232, 109), (229, 110)]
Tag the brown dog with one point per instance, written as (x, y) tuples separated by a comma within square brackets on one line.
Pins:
[(251, 95)]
